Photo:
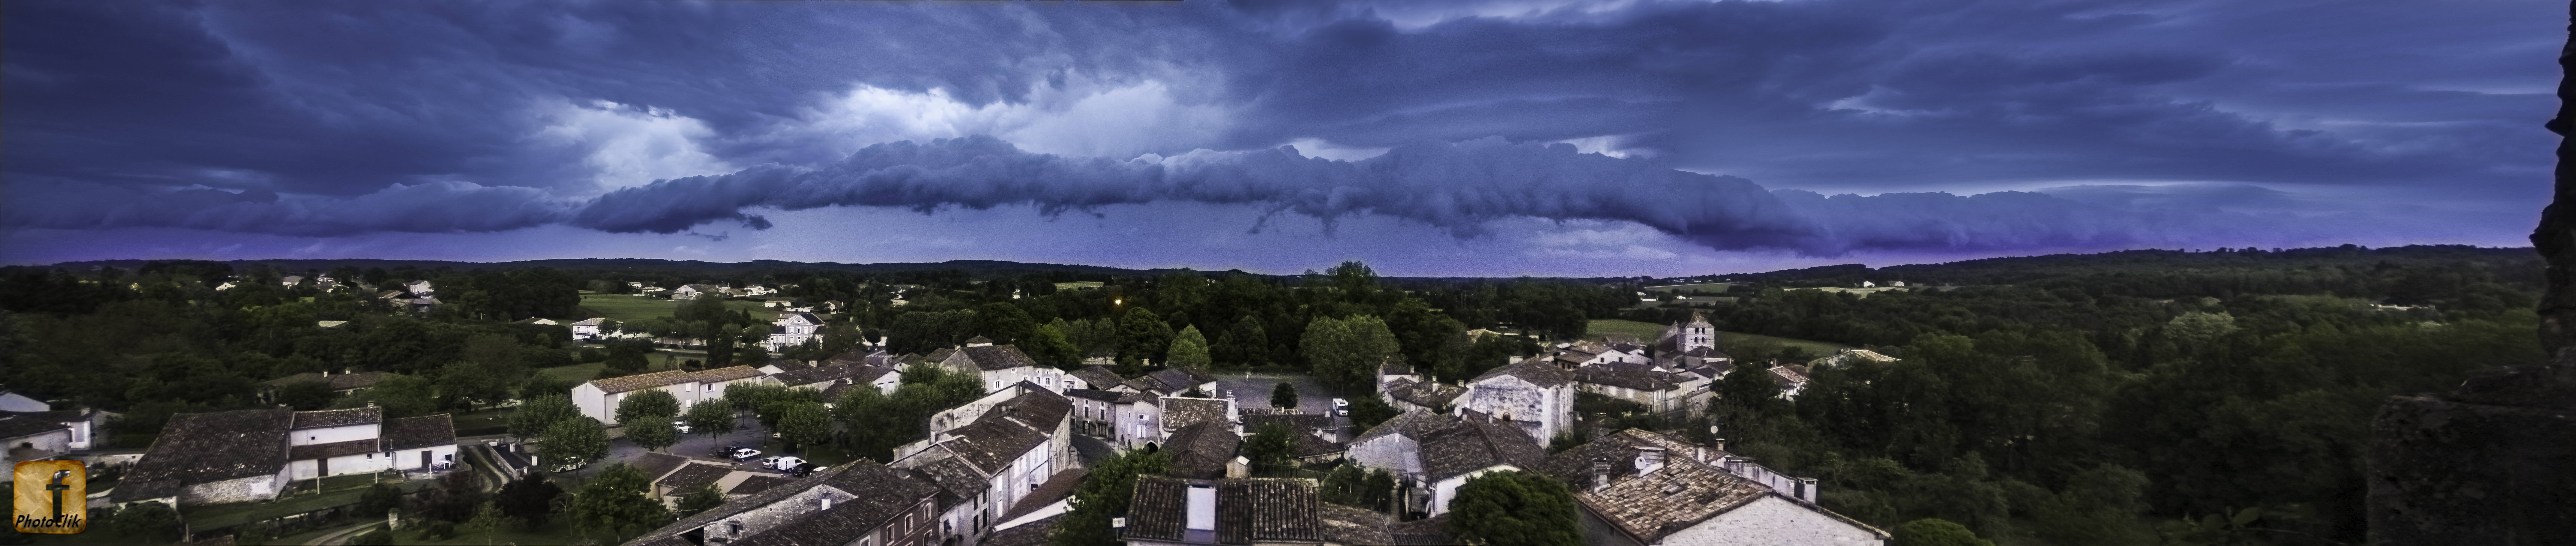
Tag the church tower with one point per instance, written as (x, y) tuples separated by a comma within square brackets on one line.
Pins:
[(1698, 333)]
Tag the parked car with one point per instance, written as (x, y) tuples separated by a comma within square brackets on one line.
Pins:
[(1341, 407), (782, 464), (741, 454), (566, 467), (682, 426)]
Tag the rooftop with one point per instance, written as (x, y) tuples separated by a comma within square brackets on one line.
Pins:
[(203, 447), (1202, 450), (1476, 443), (615, 385), (333, 449), (997, 357), (1182, 412), (1248, 510), (15, 425), (1537, 371), (692, 476)]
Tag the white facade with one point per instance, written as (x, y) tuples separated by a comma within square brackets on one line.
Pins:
[(588, 329), (793, 329), (1446, 490), (1540, 411)]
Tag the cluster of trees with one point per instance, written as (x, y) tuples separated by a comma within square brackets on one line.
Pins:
[(2084, 405), (878, 422)]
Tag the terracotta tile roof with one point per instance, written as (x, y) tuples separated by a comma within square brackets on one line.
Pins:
[(1267, 510), (1537, 371), (811, 375), (204, 447), (1425, 394), (790, 364), (1681, 494), (1098, 376), (334, 449), (1202, 450), (1009, 429), (1412, 424), (1309, 446), (1626, 375), (693, 476), (997, 357), (1424, 532), (1353, 526), (1574, 465), (420, 432), (1301, 423), (940, 355), (728, 373), (1477, 443), (1247, 510), (616, 385), (1182, 412), (1035, 533), (753, 485), (337, 417), (672, 532)]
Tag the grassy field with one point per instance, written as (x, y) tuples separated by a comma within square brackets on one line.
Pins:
[(1864, 292), (1078, 284), (1647, 332), (632, 308), (1703, 287)]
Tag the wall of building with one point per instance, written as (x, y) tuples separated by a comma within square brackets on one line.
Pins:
[(593, 403), (1393, 453), (1773, 520), (254, 488), (409, 459), (1137, 424), (1445, 490), (328, 435), (1511, 397), (54, 442)]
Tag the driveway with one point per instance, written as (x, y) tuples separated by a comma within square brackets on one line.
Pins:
[(746, 432)]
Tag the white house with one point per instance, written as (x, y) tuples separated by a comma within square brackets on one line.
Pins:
[(360, 441), (757, 290), (1533, 395), (588, 329), (420, 289), (792, 329), (1396, 445), (598, 398), (1476, 445), (692, 291), (252, 455), (992, 453)]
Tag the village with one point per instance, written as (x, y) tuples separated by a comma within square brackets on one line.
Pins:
[(1237, 458)]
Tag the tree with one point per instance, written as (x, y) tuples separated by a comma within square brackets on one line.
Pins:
[(626, 356), (378, 499), (1749, 390), (1104, 494), (531, 498), (647, 404), (1345, 354), (614, 506), (713, 418), (1142, 335), (804, 423), (307, 395), (1368, 411), (148, 522), (1514, 509), (537, 414), (487, 520), (1272, 448), (1048, 344), (540, 384), (1189, 349), (1244, 344), (704, 498), (466, 383), (573, 440), (652, 432), (870, 416), (399, 395), (1283, 396), (452, 500), (1003, 323), (1935, 532)]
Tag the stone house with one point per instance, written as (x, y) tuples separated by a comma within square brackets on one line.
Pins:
[(998, 366), (34, 437), (1096, 377), (791, 330), (1626, 484), (1533, 395), (1396, 445), (1407, 394), (1094, 411), (25, 417), (212, 458), (598, 398), (993, 454), (1476, 445), (861, 504), (1137, 420), (1658, 389)]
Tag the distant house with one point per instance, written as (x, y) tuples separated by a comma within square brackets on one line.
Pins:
[(1094, 411), (1792, 380), (360, 441), (757, 290), (34, 437), (1850, 356), (791, 330), (692, 291), (598, 398), (1407, 394), (998, 366), (1205, 450), (290, 281), (1093, 376), (420, 289), (1660, 390), (1396, 445), (1136, 420), (589, 329)]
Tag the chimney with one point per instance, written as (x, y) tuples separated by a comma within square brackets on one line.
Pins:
[(1202, 508), (1600, 474), (1807, 489), (826, 500), (1649, 460)]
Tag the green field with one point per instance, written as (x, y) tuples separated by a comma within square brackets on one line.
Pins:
[(1647, 332), (1863, 292), (1078, 284), (1703, 287), (634, 308)]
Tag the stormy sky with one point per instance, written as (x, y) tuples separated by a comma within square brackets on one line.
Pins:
[(1427, 137)]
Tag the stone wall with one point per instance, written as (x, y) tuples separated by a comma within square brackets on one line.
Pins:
[(254, 488), (1393, 453)]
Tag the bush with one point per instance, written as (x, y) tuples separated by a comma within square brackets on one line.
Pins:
[(1936, 532), (439, 530), (589, 355)]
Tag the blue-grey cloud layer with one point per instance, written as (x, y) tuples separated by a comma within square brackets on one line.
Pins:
[(336, 118)]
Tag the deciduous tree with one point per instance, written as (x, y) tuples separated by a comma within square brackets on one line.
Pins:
[(574, 439), (647, 404), (1514, 509), (614, 506)]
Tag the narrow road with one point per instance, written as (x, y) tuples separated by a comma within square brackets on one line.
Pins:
[(342, 535)]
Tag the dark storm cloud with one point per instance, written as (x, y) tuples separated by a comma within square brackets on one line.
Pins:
[(318, 119)]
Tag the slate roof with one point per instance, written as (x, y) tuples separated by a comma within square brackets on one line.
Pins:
[(997, 357), (333, 449), (753, 485), (979, 339), (1426, 532), (1202, 450), (205, 447), (1353, 526), (670, 534), (789, 364), (692, 476), (961, 480), (1475, 443), (16, 425), (1301, 423), (1182, 412), (338, 382), (940, 355), (811, 375), (1537, 371), (616, 385), (1101, 395), (420, 432), (1626, 375), (1248, 510), (1412, 424)]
